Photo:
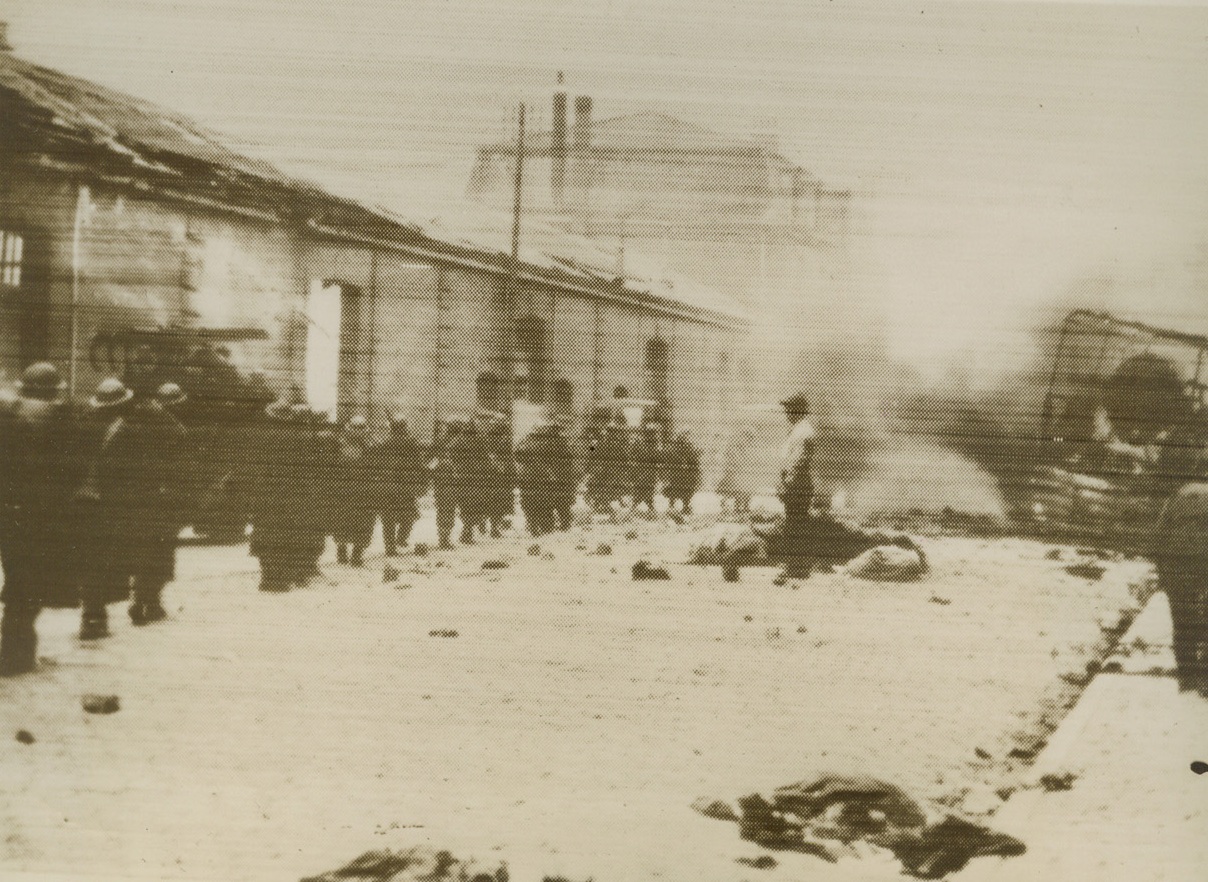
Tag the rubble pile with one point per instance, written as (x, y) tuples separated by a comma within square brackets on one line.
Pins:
[(837, 816), (418, 864)]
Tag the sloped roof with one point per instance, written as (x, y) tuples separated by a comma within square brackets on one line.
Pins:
[(74, 122)]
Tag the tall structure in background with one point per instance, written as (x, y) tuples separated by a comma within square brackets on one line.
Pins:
[(732, 213)]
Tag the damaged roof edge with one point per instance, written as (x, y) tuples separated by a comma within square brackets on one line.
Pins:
[(221, 179)]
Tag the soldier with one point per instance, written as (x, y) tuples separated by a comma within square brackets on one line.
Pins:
[(610, 480), (500, 474), (102, 572), (354, 499), (566, 476), (35, 490), (796, 486), (456, 479), (682, 472), (1181, 555), (139, 486), (646, 462), (282, 497), (397, 475)]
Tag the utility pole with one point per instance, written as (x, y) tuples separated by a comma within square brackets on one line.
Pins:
[(513, 277)]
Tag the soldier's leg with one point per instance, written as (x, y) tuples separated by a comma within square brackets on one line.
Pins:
[(18, 636), (446, 508), (389, 531)]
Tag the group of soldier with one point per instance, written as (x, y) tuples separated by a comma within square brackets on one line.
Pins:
[(89, 506), (94, 497)]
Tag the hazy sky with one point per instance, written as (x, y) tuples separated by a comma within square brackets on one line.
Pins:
[(1006, 154)]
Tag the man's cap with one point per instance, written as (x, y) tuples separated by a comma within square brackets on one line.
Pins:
[(40, 378), (170, 394), (110, 392), (796, 403)]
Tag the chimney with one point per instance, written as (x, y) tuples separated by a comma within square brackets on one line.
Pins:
[(582, 144), (557, 150), (5, 46)]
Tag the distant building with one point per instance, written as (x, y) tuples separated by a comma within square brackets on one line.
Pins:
[(116, 214), (732, 213)]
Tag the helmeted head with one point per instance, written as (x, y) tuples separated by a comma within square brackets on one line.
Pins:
[(41, 381), (170, 395), (110, 392), (796, 406)]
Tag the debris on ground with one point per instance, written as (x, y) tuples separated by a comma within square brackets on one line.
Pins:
[(942, 601), (534, 550), (442, 632), (101, 704), (390, 574), (25, 736), (603, 549), (495, 564), (888, 563), (631, 534), (644, 570), (718, 809), (1053, 782), (418, 864), (837, 816), (421, 549), (763, 862), (1087, 570)]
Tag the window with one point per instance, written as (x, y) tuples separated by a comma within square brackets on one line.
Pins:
[(658, 365), (12, 247), (562, 392)]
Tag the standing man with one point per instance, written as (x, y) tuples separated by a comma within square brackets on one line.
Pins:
[(35, 491), (796, 485), (396, 470), (354, 502), (646, 464), (683, 472), (101, 570), (1181, 555), (139, 484)]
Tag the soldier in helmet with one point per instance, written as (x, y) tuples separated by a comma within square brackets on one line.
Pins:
[(796, 485), (35, 491), (103, 574), (682, 472), (397, 478), (353, 502), (137, 476)]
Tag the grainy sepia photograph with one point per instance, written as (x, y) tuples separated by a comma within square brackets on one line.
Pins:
[(610, 441)]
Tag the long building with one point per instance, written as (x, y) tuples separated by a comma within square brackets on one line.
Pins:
[(117, 215)]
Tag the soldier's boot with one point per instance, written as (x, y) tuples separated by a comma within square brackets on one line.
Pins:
[(146, 607), (18, 640), (357, 557), (94, 623), (341, 553)]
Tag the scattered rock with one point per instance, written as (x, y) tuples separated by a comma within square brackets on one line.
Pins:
[(421, 549), (25, 737), (763, 862), (942, 601), (747, 619), (390, 574), (101, 704), (402, 586), (603, 549), (549, 555), (643, 569), (495, 564), (631, 534), (981, 753), (534, 550), (1086, 570), (1052, 782), (1027, 751), (801, 629), (1055, 554), (442, 632), (888, 563)]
